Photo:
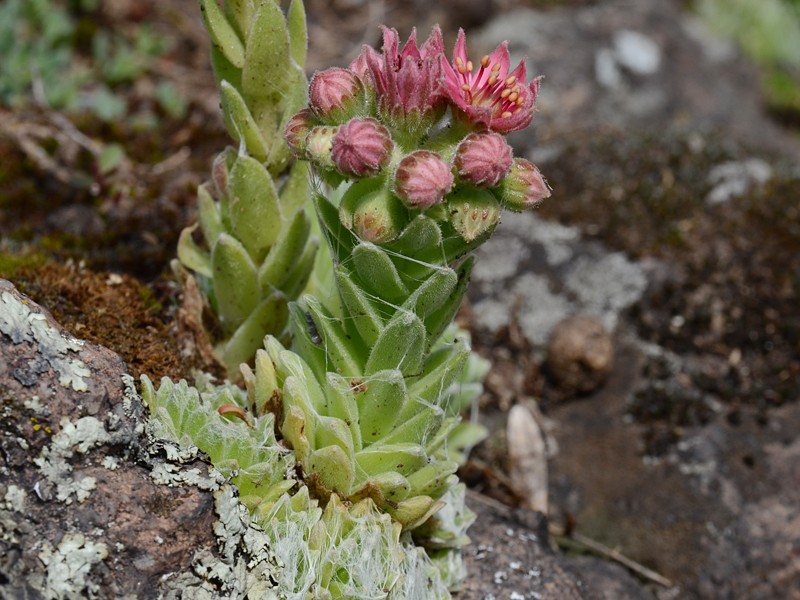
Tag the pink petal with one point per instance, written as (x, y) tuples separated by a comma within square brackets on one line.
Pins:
[(434, 45), (460, 50), (410, 49)]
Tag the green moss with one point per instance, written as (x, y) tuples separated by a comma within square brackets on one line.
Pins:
[(11, 263)]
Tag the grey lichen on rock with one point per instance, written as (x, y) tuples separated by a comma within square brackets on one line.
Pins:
[(53, 462), (56, 349), (68, 567)]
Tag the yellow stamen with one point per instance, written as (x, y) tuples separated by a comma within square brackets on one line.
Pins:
[(506, 114), (496, 68), (505, 93), (469, 66), (492, 80), (520, 100), (485, 61), (465, 87), (511, 80), (513, 97)]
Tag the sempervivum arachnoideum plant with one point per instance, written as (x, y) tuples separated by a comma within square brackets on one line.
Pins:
[(257, 253), (415, 144)]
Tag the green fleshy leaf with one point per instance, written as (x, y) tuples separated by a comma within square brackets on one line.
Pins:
[(224, 70), (295, 189), (400, 346), (435, 291), (280, 262), (442, 436), (334, 468), (298, 278), (433, 479), (377, 272), (289, 367), (340, 239), (297, 427), (383, 397), (441, 369), (308, 343), (332, 431), (343, 405), (393, 486), (191, 255), (419, 421), (298, 33), (209, 215), (438, 321), (240, 123), (235, 281), (269, 316), (344, 354), (222, 33), (464, 437), (420, 234), (400, 458), (254, 211), (266, 59), (239, 14), (414, 511), (365, 317)]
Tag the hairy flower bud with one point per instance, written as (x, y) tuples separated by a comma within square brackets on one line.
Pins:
[(483, 159), (361, 147), (524, 187), (473, 213), (372, 212), (422, 179), (336, 94), (297, 130), (319, 145)]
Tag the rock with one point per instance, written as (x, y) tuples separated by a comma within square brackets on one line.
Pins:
[(580, 354), (510, 557), (89, 505)]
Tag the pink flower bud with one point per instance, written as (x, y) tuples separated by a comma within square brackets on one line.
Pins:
[(422, 179), (361, 147), (335, 94), (524, 187), (297, 130), (483, 159), (474, 213)]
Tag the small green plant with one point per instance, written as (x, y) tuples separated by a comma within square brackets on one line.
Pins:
[(769, 31), (41, 63), (363, 380), (257, 253)]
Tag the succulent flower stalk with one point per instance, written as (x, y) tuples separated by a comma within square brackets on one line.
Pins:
[(366, 387)]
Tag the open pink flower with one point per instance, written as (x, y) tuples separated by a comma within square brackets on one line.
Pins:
[(486, 93), (407, 82)]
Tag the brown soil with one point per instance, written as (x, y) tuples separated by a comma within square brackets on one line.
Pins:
[(115, 311)]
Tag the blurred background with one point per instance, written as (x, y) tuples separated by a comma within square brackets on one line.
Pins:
[(646, 315)]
